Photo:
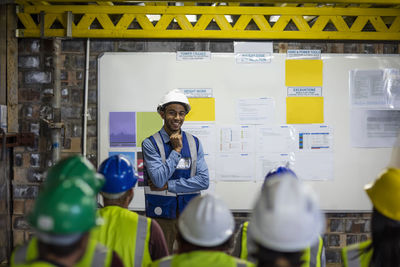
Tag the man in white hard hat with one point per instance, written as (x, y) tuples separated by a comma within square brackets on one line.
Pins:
[(174, 167), (313, 256), (205, 236), (285, 221)]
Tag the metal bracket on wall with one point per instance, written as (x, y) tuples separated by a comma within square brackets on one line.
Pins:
[(56, 125), (231, 20)]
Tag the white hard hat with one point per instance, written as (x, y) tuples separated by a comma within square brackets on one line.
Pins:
[(174, 96), (286, 216), (206, 221)]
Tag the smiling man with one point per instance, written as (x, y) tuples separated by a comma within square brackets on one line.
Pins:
[(174, 167)]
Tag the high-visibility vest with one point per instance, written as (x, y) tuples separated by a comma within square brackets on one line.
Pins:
[(313, 256), (125, 232), (36, 264), (356, 255), (165, 204), (95, 254), (200, 259)]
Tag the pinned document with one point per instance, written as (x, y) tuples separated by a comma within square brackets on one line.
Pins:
[(307, 110), (202, 109), (303, 72)]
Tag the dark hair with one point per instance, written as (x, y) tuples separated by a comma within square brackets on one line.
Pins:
[(163, 107), (385, 241), (59, 250), (269, 258), (185, 246)]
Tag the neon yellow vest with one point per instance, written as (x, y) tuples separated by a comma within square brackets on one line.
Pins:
[(125, 232), (313, 256), (36, 264), (95, 254), (355, 255), (201, 258)]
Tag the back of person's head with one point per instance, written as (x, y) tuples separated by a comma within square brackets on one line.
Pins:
[(206, 224), (286, 219), (384, 194), (63, 215), (71, 167), (280, 171), (120, 177)]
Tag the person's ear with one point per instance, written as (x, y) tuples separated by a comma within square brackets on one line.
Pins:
[(162, 114)]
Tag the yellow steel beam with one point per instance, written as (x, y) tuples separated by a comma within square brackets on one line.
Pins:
[(212, 22)]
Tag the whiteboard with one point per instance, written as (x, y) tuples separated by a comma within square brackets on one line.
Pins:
[(137, 81)]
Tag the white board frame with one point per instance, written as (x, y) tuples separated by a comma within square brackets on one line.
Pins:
[(137, 81)]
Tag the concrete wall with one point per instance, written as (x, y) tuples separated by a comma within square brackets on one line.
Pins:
[(35, 90)]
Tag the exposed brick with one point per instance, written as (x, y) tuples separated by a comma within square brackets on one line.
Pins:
[(28, 61), (28, 95), (20, 223), (63, 75), (76, 96), (334, 240), (35, 160), (336, 225), (333, 255), (18, 237), (18, 159), (92, 97), (76, 131), (70, 113), (92, 111), (34, 128), (26, 157), (18, 206), (48, 61), (35, 176), (40, 77), (101, 46), (46, 112), (73, 46), (25, 191), (131, 46), (29, 203), (193, 46), (20, 175), (161, 46), (92, 130)]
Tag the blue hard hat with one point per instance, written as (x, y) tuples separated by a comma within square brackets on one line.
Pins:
[(118, 173), (281, 170)]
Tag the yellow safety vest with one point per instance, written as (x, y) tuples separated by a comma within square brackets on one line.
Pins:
[(36, 264), (356, 256), (125, 232), (95, 254), (313, 256), (201, 258)]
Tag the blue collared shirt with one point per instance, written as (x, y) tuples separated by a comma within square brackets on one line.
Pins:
[(160, 172)]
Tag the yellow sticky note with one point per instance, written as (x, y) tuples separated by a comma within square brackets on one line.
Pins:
[(303, 72), (203, 109), (304, 110), (147, 124)]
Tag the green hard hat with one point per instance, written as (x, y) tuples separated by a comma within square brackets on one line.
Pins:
[(69, 208), (74, 166)]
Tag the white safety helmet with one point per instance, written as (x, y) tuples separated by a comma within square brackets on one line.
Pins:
[(206, 221), (174, 96), (286, 216)]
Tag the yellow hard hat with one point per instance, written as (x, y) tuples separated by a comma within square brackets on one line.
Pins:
[(384, 193)]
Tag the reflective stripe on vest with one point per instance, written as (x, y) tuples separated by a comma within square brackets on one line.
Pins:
[(130, 234), (316, 254), (356, 256), (99, 256), (20, 255), (141, 234), (92, 256)]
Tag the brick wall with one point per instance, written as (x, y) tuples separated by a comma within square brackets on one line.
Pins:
[(35, 91)]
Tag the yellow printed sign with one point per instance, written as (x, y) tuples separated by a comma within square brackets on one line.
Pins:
[(147, 124), (203, 109), (303, 72), (304, 110)]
